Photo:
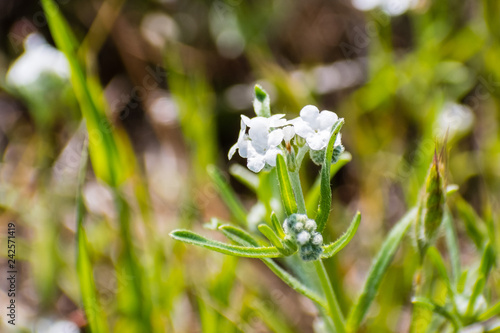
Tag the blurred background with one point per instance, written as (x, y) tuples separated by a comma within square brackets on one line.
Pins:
[(175, 77)]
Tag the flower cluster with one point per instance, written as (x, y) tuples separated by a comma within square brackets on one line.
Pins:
[(260, 138), (302, 230)]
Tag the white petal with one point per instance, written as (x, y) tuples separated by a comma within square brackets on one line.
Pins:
[(243, 147), (302, 128), (259, 122), (276, 121), (270, 156), (309, 114), (245, 121), (288, 133), (232, 150), (275, 138), (255, 161), (318, 141), (326, 119)]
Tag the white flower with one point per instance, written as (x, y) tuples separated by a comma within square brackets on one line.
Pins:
[(38, 58), (315, 126), (288, 133), (303, 237), (317, 239), (259, 146)]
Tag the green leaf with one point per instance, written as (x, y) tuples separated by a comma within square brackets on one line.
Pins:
[(285, 186), (378, 269), (275, 240), (227, 194), (490, 313), (437, 260), (278, 227), (190, 237), (473, 224), (438, 309), (93, 310), (238, 235), (325, 199), (331, 249), (487, 261), (261, 102), (244, 176), (313, 194), (452, 244), (110, 151), (243, 238)]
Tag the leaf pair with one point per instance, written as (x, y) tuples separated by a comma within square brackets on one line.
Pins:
[(281, 248)]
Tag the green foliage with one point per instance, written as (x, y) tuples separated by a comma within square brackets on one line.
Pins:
[(241, 251), (378, 270), (287, 194), (332, 249), (325, 199)]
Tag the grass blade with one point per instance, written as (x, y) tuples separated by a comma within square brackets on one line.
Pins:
[(109, 148), (378, 269), (92, 308), (313, 194), (325, 198), (473, 224), (286, 190), (452, 244), (438, 309), (190, 237), (227, 194), (487, 262), (331, 249)]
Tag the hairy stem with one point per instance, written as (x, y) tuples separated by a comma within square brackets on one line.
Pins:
[(333, 305), (297, 190)]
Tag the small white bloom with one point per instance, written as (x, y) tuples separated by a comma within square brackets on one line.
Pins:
[(303, 237), (317, 239), (259, 146), (288, 133), (310, 225), (315, 126), (298, 226), (39, 57)]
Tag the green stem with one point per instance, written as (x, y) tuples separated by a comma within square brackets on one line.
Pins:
[(297, 190), (335, 312)]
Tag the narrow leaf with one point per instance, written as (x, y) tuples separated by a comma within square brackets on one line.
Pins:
[(331, 249), (190, 237), (438, 309), (109, 147), (91, 305), (286, 277), (452, 244), (227, 194), (285, 186), (325, 199), (247, 178), (273, 238), (438, 262), (473, 224), (278, 227), (238, 235), (313, 194), (378, 269), (487, 262), (490, 313)]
